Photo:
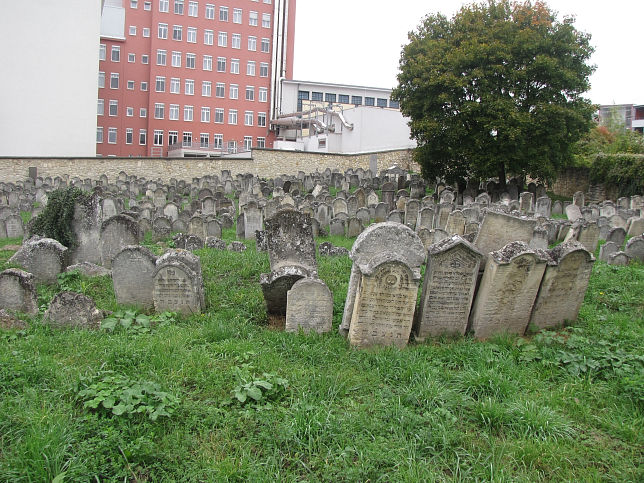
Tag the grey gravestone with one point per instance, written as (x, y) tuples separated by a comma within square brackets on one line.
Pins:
[(309, 306), (606, 250), (132, 275), (116, 233), (354, 227), (636, 226), (578, 199), (573, 212), (14, 226), (543, 207), (635, 248), (86, 226), (412, 210), (337, 227), (381, 212), (45, 258), (178, 283), (620, 259), (557, 208), (18, 291), (455, 224), (162, 227), (499, 229), (617, 235), (71, 309)]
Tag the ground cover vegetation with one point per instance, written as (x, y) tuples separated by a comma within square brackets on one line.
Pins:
[(225, 396)]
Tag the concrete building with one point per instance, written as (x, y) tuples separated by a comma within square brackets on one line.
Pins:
[(49, 58), (630, 115), (337, 118), (190, 77)]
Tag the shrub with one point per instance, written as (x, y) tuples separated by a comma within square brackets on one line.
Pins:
[(56, 219)]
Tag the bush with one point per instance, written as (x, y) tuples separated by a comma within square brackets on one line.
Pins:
[(623, 170), (56, 219)]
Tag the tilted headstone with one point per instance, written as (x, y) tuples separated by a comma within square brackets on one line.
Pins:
[(18, 291), (309, 306), (133, 271), (499, 229), (578, 199), (448, 289), (412, 209), (635, 248), (117, 232), (636, 226), (45, 258), (573, 212)]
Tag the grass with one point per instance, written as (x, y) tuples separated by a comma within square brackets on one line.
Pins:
[(560, 405)]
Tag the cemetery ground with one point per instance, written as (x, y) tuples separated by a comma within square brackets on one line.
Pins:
[(224, 396)]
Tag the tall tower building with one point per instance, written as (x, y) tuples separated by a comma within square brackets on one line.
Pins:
[(191, 77)]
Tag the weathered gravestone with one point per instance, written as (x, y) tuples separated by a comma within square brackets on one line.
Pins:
[(178, 284), (563, 286), (573, 212), (606, 250), (636, 226), (117, 232), (617, 235), (14, 227), (86, 226), (543, 207), (309, 306), (381, 297), (635, 248), (620, 259), (45, 258), (455, 223), (133, 276), (507, 291), (448, 289), (18, 291), (499, 229)]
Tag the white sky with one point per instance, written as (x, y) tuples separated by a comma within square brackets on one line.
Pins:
[(358, 42)]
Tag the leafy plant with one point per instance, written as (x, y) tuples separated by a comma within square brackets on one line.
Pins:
[(118, 395), (135, 322), (56, 219), (71, 281), (256, 391)]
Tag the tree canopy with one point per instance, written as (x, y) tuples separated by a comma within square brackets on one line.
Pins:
[(496, 89)]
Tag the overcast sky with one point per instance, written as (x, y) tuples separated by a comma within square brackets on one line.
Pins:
[(358, 42)]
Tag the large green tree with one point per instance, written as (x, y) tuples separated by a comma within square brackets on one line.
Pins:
[(495, 90)]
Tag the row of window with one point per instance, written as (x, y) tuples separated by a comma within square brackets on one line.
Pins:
[(173, 138), (193, 11), (344, 99)]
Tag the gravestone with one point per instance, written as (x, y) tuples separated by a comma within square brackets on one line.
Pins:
[(455, 223), (635, 248), (381, 212), (86, 226), (354, 227), (636, 226), (620, 259), (563, 286), (45, 258), (117, 232), (499, 229), (448, 289), (573, 212), (71, 309), (309, 306), (412, 208), (507, 291), (525, 203), (339, 206), (425, 218), (162, 227), (337, 227), (539, 238), (578, 199), (178, 284), (14, 227), (617, 235), (18, 291), (606, 250), (442, 214), (133, 271), (543, 207), (364, 216), (557, 208)]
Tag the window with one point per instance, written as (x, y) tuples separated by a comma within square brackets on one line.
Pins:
[(356, 100), (236, 41), (159, 110), (210, 11), (382, 102), (132, 29), (158, 137), (204, 139), (177, 32), (175, 85), (164, 6), (173, 112), (111, 135), (178, 7), (232, 116), (250, 93), (190, 87), (192, 35), (102, 49), (162, 31), (261, 119), (101, 79), (145, 59), (160, 84), (187, 139), (234, 91), (147, 6), (207, 62), (234, 66), (161, 57), (143, 112), (267, 1), (250, 67), (394, 104), (114, 80), (134, 3), (266, 45), (192, 9), (248, 118), (116, 53), (261, 142), (173, 138), (190, 61), (329, 97), (188, 112), (221, 64), (301, 96), (232, 147), (263, 94), (266, 20), (220, 89), (100, 107), (237, 15), (206, 88), (263, 69), (369, 101), (208, 37), (143, 137), (316, 96), (223, 14), (129, 135), (222, 39), (130, 85), (176, 59), (129, 111), (219, 117), (99, 134), (144, 85), (248, 143), (146, 31), (343, 99), (252, 44), (205, 114), (252, 19), (218, 141)]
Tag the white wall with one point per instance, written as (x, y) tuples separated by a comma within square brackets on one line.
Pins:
[(49, 81)]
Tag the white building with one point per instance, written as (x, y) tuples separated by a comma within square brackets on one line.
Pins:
[(335, 118), (49, 58)]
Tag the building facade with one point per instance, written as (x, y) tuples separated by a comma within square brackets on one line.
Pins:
[(631, 116), (191, 77)]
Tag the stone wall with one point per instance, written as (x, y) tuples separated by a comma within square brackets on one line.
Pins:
[(262, 162), (572, 180)]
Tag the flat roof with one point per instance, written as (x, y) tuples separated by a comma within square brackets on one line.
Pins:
[(329, 84)]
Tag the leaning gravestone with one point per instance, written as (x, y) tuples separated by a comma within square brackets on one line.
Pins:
[(448, 289), (309, 306), (45, 258), (507, 291), (635, 248), (18, 291), (499, 229), (132, 276), (71, 309), (178, 283), (563, 286), (117, 232)]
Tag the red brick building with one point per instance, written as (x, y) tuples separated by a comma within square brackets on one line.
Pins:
[(191, 77)]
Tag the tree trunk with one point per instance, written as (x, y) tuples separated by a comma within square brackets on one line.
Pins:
[(501, 174)]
